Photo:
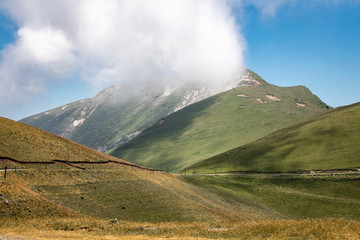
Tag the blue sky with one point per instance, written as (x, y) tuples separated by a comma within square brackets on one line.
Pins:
[(316, 45)]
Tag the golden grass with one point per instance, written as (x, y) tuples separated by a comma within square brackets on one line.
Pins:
[(86, 228), (18, 200), (52, 221), (102, 192), (25, 143)]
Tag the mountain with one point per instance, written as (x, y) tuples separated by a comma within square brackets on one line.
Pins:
[(121, 112), (219, 123), (329, 141)]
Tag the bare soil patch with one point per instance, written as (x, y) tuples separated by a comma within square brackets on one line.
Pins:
[(272, 97)]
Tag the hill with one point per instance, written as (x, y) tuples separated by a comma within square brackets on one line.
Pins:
[(119, 113), (84, 182), (220, 123), (24, 143), (328, 141)]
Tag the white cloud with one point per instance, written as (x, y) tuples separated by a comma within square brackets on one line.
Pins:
[(114, 41), (44, 45), (269, 8)]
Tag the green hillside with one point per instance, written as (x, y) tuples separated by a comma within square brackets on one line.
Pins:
[(329, 141), (294, 196), (220, 123)]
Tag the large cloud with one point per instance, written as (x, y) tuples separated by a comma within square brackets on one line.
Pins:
[(114, 41)]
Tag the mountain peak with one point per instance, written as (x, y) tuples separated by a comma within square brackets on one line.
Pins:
[(249, 78)]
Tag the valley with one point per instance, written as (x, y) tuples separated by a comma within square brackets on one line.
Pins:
[(254, 162), (179, 120)]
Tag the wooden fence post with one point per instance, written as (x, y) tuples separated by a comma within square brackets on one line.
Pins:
[(5, 173)]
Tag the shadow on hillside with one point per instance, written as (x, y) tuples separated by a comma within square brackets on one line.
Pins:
[(174, 125), (274, 155)]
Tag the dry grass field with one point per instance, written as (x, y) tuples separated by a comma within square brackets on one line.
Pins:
[(86, 228)]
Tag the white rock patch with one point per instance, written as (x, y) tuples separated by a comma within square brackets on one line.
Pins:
[(301, 104), (78, 122), (260, 100), (64, 107), (168, 91)]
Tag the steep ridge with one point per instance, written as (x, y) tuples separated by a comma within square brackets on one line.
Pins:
[(89, 188), (329, 141), (219, 123), (121, 112)]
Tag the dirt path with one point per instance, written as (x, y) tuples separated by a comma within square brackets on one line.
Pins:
[(331, 172)]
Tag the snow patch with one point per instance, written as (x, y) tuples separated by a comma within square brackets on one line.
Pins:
[(46, 113), (78, 122), (64, 107)]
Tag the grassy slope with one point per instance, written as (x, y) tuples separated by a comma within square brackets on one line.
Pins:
[(101, 191), (119, 192), (217, 124), (328, 141), (25, 143), (293, 196)]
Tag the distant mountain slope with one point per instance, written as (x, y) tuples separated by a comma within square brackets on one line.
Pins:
[(119, 113), (329, 141), (220, 123)]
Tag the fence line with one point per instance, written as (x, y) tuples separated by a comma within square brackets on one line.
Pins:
[(70, 164)]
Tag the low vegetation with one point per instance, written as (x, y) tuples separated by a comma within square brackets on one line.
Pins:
[(329, 141), (295, 196), (85, 228), (114, 191)]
